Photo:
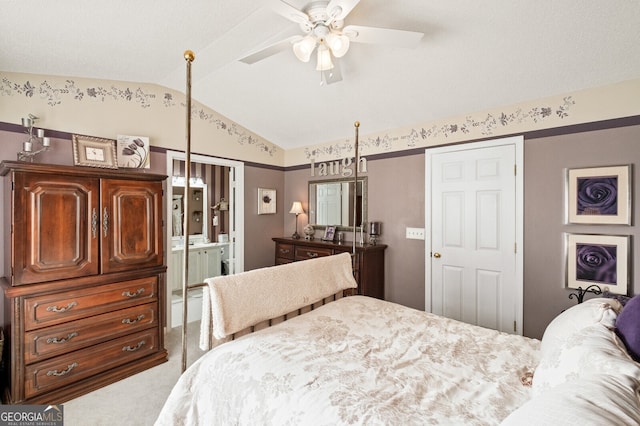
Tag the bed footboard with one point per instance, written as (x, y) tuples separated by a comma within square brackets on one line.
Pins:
[(234, 305), (213, 342)]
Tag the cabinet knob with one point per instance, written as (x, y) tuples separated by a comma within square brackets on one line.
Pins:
[(437, 255)]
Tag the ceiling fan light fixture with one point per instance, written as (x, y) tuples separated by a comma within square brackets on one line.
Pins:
[(304, 48), (324, 59), (339, 44)]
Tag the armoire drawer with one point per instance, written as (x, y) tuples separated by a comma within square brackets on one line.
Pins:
[(57, 308), (66, 369), (52, 341), (304, 253)]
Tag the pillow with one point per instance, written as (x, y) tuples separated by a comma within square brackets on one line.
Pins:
[(592, 311), (594, 400), (628, 327), (592, 349), (623, 299)]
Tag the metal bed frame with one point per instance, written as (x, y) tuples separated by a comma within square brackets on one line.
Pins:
[(189, 57)]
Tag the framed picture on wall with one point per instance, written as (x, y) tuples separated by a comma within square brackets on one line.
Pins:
[(602, 260), (599, 195), (266, 201), (133, 152), (94, 152)]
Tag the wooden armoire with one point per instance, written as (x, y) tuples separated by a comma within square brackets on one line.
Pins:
[(84, 279)]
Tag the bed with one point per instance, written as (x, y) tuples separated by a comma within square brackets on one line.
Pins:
[(363, 361)]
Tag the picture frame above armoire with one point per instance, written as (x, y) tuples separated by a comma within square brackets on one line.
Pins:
[(94, 152)]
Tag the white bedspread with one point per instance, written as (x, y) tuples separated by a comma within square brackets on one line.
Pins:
[(362, 361)]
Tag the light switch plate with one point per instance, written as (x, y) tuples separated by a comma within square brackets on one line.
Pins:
[(415, 233)]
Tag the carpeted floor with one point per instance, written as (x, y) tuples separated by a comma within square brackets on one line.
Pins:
[(136, 400)]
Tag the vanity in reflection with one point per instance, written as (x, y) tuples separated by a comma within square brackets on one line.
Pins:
[(206, 259)]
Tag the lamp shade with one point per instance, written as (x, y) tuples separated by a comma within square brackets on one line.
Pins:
[(339, 44), (296, 208), (324, 59), (304, 48)]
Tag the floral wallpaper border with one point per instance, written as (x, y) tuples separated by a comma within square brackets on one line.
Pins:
[(486, 127), (56, 95)]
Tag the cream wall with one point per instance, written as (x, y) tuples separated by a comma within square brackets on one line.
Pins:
[(107, 108), (597, 104)]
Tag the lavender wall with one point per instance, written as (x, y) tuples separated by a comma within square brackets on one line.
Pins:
[(546, 160), (396, 198), (259, 250)]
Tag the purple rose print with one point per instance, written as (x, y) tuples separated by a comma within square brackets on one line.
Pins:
[(597, 195), (596, 263)]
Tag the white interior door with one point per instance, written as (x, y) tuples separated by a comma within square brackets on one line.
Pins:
[(473, 231)]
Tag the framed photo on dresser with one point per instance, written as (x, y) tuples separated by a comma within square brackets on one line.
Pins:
[(329, 233)]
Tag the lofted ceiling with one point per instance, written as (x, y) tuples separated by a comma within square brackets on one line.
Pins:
[(475, 55)]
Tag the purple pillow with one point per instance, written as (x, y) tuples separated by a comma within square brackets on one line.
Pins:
[(628, 327)]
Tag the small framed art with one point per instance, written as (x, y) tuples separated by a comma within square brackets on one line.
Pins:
[(133, 152), (329, 233), (94, 152), (266, 201), (599, 195), (602, 260)]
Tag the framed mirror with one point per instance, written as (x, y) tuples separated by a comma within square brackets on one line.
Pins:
[(331, 203)]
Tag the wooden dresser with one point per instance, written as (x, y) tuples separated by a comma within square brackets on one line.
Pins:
[(368, 268), (84, 287)]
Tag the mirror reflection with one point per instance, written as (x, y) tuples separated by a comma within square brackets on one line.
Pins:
[(331, 202), (197, 206)]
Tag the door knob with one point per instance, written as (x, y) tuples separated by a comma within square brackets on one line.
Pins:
[(436, 255)]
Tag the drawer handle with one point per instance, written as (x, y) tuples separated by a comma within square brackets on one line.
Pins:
[(63, 372), (63, 340), (312, 254), (133, 348), (136, 294), (94, 223), (105, 222), (61, 310), (284, 251), (133, 321)]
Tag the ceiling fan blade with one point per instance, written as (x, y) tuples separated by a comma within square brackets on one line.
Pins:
[(269, 50), (291, 13), (333, 75), (339, 9), (382, 36)]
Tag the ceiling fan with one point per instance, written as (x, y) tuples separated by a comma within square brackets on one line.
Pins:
[(322, 23)]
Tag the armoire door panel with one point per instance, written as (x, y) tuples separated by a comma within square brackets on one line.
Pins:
[(131, 224), (60, 227)]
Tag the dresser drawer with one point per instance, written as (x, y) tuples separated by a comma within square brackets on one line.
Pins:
[(66, 369), (304, 253), (57, 340), (57, 308), (284, 251)]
